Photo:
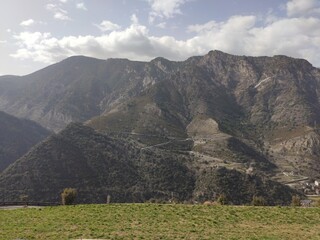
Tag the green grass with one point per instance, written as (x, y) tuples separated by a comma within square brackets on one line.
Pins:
[(154, 221)]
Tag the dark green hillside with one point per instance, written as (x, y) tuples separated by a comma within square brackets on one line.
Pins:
[(239, 188), (17, 136), (97, 166)]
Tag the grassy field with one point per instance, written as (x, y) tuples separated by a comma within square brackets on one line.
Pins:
[(154, 221)]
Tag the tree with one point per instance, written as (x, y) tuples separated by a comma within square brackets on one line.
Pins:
[(68, 196), (295, 202), (258, 201)]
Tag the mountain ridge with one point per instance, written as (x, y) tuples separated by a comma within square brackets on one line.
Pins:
[(75, 64), (257, 115)]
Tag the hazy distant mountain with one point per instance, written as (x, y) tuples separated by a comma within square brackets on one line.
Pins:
[(17, 136)]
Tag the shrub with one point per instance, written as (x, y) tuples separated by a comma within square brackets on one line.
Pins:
[(295, 202), (222, 199), (258, 201), (68, 196)]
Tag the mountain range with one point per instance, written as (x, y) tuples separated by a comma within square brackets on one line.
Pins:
[(253, 115)]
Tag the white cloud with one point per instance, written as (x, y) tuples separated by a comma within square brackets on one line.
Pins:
[(81, 6), (28, 39), (51, 6), (162, 25), (303, 7), (106, 26), (134, 19), (230, 36), (63, 1), (61, 16), (58, 12), (164, 8), (42, 47), (270, 17), (243, 35), (27, 23), (297, 37), (3, 41), (198, 28)]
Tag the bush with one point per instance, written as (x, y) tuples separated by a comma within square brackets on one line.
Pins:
[(258, 201), (68, 196), (222, 199), (296, 201)]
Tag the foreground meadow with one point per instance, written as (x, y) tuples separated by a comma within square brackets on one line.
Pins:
[(155, 221)]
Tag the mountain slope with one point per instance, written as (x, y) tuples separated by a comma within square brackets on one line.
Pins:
[(259, 113), (98, 166), (239, 188), (75, 89), (250, 98), (17, 136)]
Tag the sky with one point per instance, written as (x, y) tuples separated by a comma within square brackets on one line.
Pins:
[(37, 33)]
